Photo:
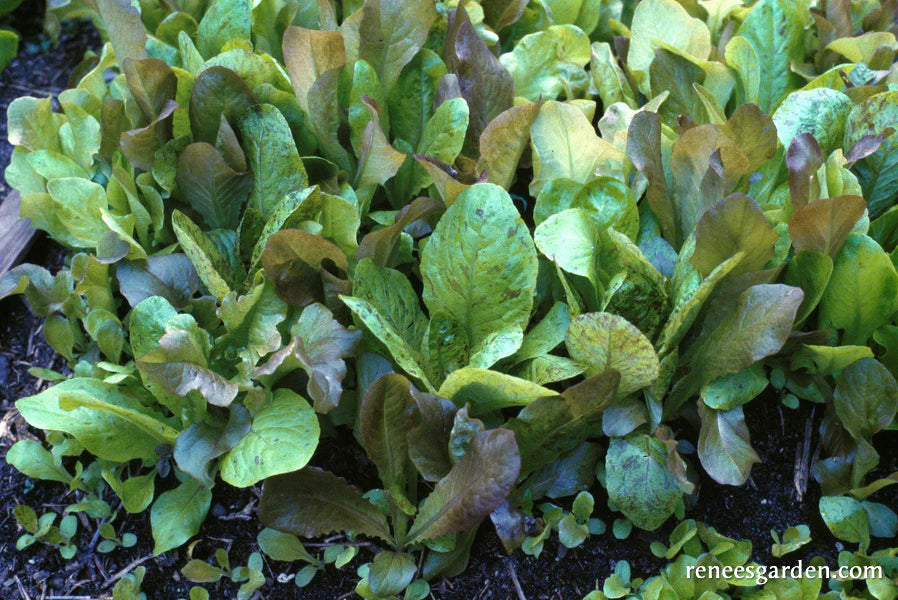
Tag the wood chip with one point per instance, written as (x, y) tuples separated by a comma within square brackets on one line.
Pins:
[(16, 234)]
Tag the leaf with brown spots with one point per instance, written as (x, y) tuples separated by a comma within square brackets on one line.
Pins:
[(480, 264)]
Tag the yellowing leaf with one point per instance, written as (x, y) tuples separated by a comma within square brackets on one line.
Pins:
[(282, 439), (565, 145), (602, 341), (308, 54), (657, 21)]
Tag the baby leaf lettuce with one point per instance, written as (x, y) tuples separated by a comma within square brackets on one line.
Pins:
[(493, 241)]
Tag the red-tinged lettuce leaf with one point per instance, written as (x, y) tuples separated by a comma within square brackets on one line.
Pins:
[(308, 54), (386, 416), (504, 141), (319, 346), (182, 363), (428, 440), (217, 92), (724, 446), (699, 181), (147, 324), (365, 90), (312, 503), (876, 116), (302, 265), (735, 224), (208, 184), (644, 149), (378, 160), (484, 83), (803, 158), (296, 207), (382, 245), (548, 427), (824, 225), (140, 145), (754, 135), (502, 13), (477, 485), (152, 83), (447, 180)]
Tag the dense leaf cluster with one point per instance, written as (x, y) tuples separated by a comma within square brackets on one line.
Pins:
[(508, 244)]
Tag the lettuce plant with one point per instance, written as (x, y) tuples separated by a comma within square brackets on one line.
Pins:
[(501, 242)]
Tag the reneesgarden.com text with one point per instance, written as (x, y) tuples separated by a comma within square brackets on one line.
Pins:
[(761, 573)]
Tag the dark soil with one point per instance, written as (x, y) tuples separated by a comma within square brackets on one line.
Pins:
[(768, 502)]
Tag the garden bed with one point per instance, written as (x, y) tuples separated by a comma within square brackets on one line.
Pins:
[(768, 502), (306, 285)]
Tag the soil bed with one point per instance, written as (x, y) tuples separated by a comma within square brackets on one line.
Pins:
[(768, 502)]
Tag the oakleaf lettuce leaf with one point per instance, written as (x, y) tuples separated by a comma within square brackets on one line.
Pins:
[(320, 345)]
